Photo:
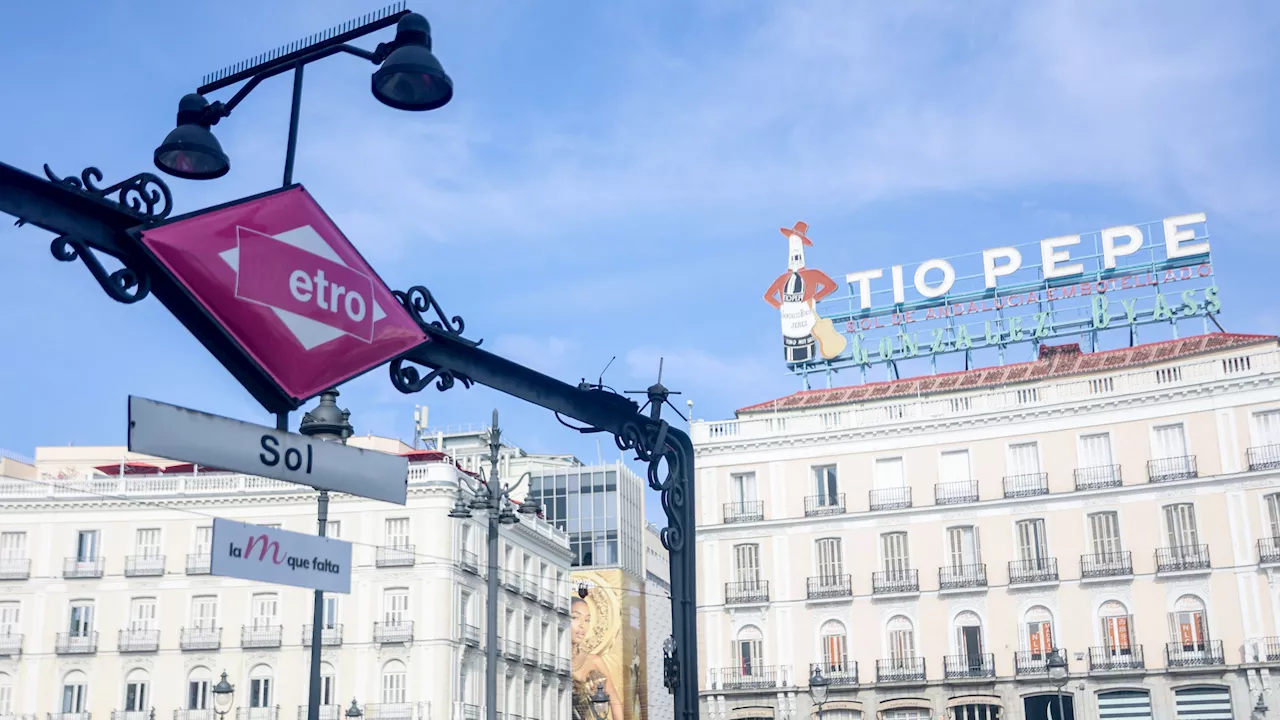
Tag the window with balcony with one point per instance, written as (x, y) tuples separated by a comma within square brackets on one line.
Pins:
[(136, 692), (895, 560), (141, 634), (1034, 563), (333, 529), (75, 692), (14, 563), (1097, 465), (902, 664), (1117, 633), (964, 566), (86, 545), (1171, 460), (970, 658), (889, 485), (1184, 550), (395, 605), (955, 479), (1108, 556), (80, 621), (328, 686), (830, 562), (147, 542), (747, 585), (1025, 478), (397, 532), (1189, 642), (395, 687), (835, 653), (10, 628), (6, 694), (261, 686), (265, 610), (744, 504), (748, 651), (1037, 641), (826, 498), (199, 685)]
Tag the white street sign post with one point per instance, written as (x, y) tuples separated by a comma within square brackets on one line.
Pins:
[(272, 555), (178, 433)]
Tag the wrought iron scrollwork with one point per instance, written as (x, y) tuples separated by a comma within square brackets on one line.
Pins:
[(419, 300), (125, 285), (144, 194), (408, 379), (651, 446)]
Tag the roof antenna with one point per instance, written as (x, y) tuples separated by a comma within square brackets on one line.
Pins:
[(600, 382)]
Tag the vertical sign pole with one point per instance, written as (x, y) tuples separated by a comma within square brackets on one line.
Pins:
[(317, 619), (292, 147), (491, 602)]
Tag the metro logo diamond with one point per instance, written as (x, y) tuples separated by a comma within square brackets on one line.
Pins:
[(285, 283)]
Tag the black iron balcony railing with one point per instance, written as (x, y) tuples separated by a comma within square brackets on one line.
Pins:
[(954, 577), (1263, 457), (143, 565), (824, 587), (10, 644), (82, 568), (754, 677), (15, 568), (1033, 570), (958, 667), (1194, 654), (470, 635), (470, 562), (1029, 663), (1182, 558), (1174, 468), (887, 582), (1106, 564), (327, 712), (330, 635), (1112, 658), (394, 556), (388, 711), (954, 493), (258, 713), (207, 714), (900, 670), (895, 498), (751, 591), (1098, 477), (1270, 650), (1027, 485), (818, 505), (400, 631), (76, 643), (201, 638), (138, 640), (512, 649), (69, 716), (133, 714), (260, 636), (1269, 550), (843, 672), (738, 512), (199, 563)]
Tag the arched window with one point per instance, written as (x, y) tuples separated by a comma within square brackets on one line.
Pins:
[(748, 648), (261, 689), (969, 639), (328, 689), (835, 657), (1037, 636), (75, 692), (199, 683), (902, 638), (393, 682), (1116, 622), (1187, 625), (136, 693), (6, 694)]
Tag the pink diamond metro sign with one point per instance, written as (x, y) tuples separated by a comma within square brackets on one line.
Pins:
[(286, 284)]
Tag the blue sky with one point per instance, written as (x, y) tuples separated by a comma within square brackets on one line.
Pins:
[(609, 177)]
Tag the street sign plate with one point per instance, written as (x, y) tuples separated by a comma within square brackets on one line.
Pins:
[(177, 433), (254, 552), (286, 284)]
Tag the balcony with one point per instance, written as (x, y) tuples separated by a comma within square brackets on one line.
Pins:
[(827, 587), (1270, 650), (139, 640), (1036, 570), (470, 562), (1263, 457), (901, 670), (15, 568), (199, 563), (261, 636), (530, 657), (529, 588), (958, 577), (819, 505), (470, 635), (330, 635), (397, 556), (393, 632), (76, 643), (842, 673), (133, 714), (1101, 565), (69, 716), (546, 660), (562, 665), (1170, 469), (388, 711), (1269, 551), (10, 644), (1182, 558), (1206, 653), (1028, 485), (894, 582), (195, 715), (512, 649), (895, 498), (1036, 664), (969, 667), (201, 638), (955, 493), (739, 512), (1116, 659), (545, 597), (1098, 477), (327, 712), (746, 593), (258, 713), (470, 712), (76, 568), (562, 603), (752, 678), (144, 566)]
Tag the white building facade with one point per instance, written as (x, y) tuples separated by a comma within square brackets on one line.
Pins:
[(657, 623), (108, 610), (925, 543)]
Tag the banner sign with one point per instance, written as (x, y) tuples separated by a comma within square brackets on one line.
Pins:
[(1119, 277), (272, 555)]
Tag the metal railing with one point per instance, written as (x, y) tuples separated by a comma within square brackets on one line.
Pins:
[(76, 643), (953, 577), (470, 712), (261, 636), (545, 596), (824, 587), (1110, 564), (885, 582), (562, 603), (393, 632), (1182, 557), (327, 712), (900, 670), (15, 568), (752, 591), (1098, 477), (388, 711), (529, 588), (1263, 457), (837, 673), (750, 678), (530, 654), (1029, 664), (199, 563), (139, 640), (1270, 649), (1194, 654), (69, 716), (143, 565), (819, 505), (1111, 659), (330, 635), (187, 714), (200, 638), (895, 498), (512, 649), (397, 556), (133, 714), (470, 562), (470, 635), (258, 713), (546, 660), (1034, 570), (78, 568), (1173, 468), (10, 644), (956, 667), (1028, 485), (954, 493), (1269, 550), (737, 512), (562, 665)]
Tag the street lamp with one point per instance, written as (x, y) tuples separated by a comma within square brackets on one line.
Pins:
[(190, 150), (1057, 667), (818, 688), (410, 77), (353, 712), (1259, 709), (600, 703), (223, 695)]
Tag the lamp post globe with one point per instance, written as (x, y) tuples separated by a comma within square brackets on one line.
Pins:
[(190, 150), (1056, 665), (223, 696), (819, 686), (353, 712), (411, 78), (600, 703)]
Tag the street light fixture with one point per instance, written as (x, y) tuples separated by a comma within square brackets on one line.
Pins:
[(190, 150), (1259, 709), (1057, 669), (818, 688), (600, 703), (411, 77), (353, 712), (223, 695)]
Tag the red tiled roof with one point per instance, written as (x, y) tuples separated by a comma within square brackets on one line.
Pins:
[(1054, 361)]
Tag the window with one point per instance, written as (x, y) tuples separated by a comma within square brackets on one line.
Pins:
[(893, 546), (260, 687), (1117, 636), (830, 561), (393, 682), (1104, 530), (81, 620), (1266, 428), (824, 484), (1033, 548), (1273, 514), (508, 558), (1095, 450), (746, 564), (9, 616), (327, 686), (1038, 634), (889, 474), (1170, 441), (835, 656), (395, 605), (530, 641), (953, 467), (748, 650), (902, 639), (86, 545), (148, 543), (6, 694), (962, 544), (1180, 526), (266, 610), (1187, 624), (969, 638), (398, 532), (742, 487), (13, 546), (198, 686), (512, 630), (1024, 459), (204, 612), (142, 615), (330, 614), (204, 540), (465, 543), (333, 529), (75, 696), (136, 691), (464, 607)]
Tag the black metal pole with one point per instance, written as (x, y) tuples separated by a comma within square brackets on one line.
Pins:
[(491, 599), (317, 618), (292, 147), (1061, 713)]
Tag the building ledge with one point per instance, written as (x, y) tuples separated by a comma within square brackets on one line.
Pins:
[(1127, 577), (895, 595), (1033, 585), (964, 590), (1183, 573)]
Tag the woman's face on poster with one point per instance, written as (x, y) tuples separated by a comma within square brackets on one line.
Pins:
[(581, 618)]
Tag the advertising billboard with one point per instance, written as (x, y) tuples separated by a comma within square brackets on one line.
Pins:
[(607, 632)]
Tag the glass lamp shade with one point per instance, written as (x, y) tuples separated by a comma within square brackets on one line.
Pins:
[(223, 695), (818, 687)]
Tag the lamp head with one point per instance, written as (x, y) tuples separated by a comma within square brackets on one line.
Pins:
[(1056, 665), (460, 510), (353, 712), (223, 695), (411, 78), (505, 516), (190, 150), (600, 702), (530, 506), (818, 687)]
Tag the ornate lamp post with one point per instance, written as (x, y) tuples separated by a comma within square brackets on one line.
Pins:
[(1057, 667), (353, 712), (818, 688), (600, 703), (223, 695)]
